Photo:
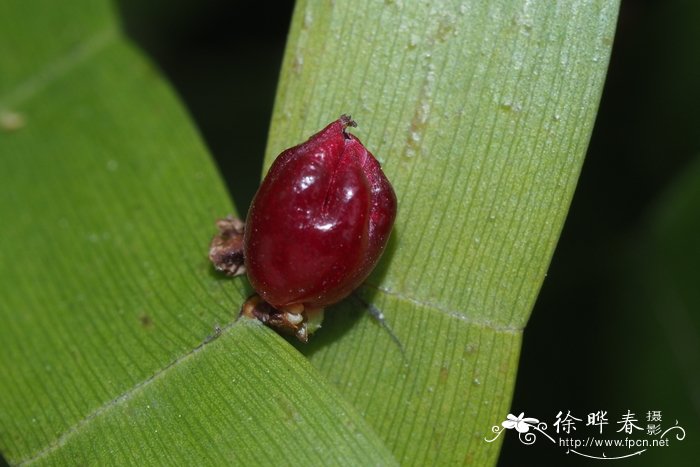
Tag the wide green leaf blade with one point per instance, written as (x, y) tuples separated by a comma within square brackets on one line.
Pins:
[(481, 113), (117, 340)]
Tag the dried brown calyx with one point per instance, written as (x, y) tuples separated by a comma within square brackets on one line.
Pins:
[(297, 321), (226, 248)]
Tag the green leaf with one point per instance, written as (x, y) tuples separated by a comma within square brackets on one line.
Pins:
[(111, 346), (481, 114)]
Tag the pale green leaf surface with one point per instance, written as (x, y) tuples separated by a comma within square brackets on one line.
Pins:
[(109, 305), (205, 409), (480, 113), (41, 39)]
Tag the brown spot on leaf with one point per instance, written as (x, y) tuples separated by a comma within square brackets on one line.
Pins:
[(444, 373), (146, 321)]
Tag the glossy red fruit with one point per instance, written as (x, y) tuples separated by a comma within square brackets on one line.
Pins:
[(319, 222)]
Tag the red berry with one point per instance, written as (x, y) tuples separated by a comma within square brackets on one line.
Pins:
[(319, 221)]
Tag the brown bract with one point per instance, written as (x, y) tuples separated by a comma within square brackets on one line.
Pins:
[(226, 248)]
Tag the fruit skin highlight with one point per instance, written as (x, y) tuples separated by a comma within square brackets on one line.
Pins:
[(319, 222)]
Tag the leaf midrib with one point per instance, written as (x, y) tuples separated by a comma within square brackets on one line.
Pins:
[(61, 66), (478, 322), (74, 429), (29, 88), (136, 389)]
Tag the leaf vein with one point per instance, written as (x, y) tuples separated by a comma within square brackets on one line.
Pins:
[(58, 68), (483, 323), (62, 439)]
